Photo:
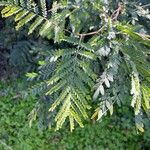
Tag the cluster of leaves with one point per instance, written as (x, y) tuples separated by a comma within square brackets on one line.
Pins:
[(101, 53), (113, 133)]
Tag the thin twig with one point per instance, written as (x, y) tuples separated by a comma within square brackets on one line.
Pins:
[(147, 5), (116, 13), (90, 33), (86, 34), (114, 17)]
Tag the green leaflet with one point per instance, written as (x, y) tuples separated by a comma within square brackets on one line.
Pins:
[(6, 9), (146, 95), (135, 91), (86, 67), (139, 37), (63, 113), (56, 88), (81, 98), (79, 106), (21, 14), (22, 3), (25, 20), (59, 99), (71, 120), (84, 77), (43, 8), (76, 117), (110, 107), (107, 76), (45, 27), (12, 11), (35, 24), (4, 3), (88, 54), (29, 4), (76, 41)]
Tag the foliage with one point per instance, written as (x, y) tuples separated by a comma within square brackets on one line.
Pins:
[(117, 132), (21, 51), (96, 45)]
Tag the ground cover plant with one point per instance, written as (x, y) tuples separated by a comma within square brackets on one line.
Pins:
[(117, 132)]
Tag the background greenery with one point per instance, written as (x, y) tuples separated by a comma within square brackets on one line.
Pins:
[(117, 132)]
